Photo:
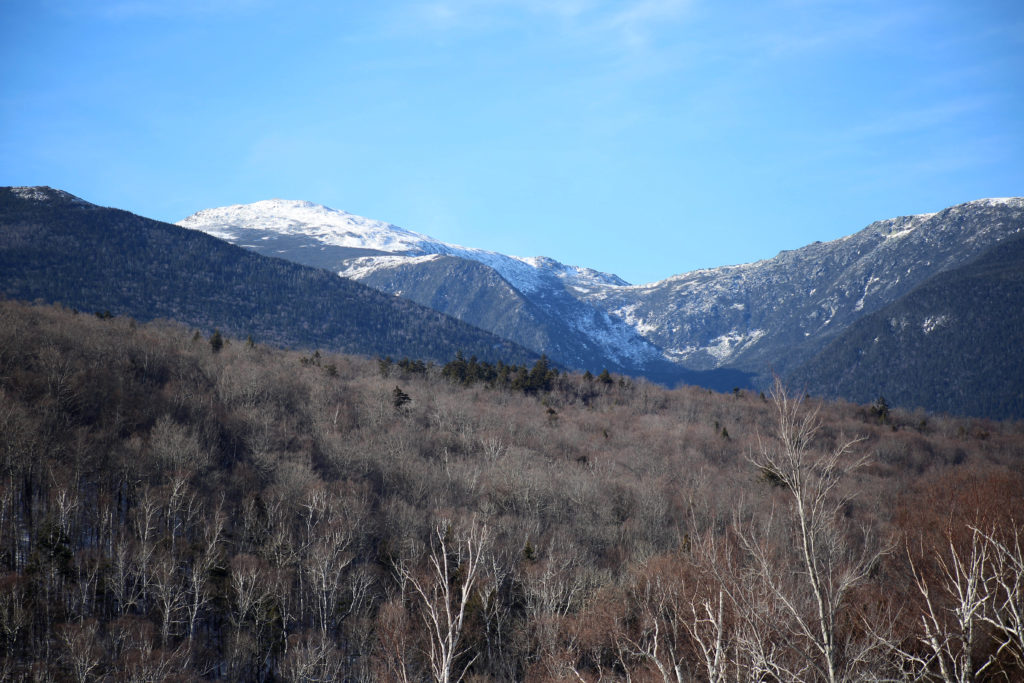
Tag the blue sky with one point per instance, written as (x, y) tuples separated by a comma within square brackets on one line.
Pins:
[(641, 137)]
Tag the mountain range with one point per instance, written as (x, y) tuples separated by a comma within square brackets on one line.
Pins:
[(534, 302), (820, 316), (770, 317)]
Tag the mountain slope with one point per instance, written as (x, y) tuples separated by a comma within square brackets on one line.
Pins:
[(773, 314), (57, 247), (763, 317), (532, 301), (954, 344)]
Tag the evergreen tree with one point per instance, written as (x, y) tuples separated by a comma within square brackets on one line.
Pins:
[(399, 398)]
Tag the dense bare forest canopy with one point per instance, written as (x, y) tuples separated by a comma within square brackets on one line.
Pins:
[(176, 507)]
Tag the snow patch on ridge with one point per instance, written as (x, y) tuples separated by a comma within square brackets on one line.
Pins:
[(34, 193), (998, 201), (45, 194), (367, 265)]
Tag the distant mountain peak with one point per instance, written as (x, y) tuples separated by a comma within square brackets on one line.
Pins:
[(324, 226), (303, 218)]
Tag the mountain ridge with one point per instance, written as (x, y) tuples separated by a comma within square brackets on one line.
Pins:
[(543, 287), (763, 317), (746, 315), (712, 327), (60, 248)]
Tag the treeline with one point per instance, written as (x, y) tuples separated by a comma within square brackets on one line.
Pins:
[(172, 508), (540, 377)]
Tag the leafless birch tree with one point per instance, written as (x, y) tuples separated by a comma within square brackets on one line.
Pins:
[(455, 563), (956, 603), (1006, 616), (831, 564)]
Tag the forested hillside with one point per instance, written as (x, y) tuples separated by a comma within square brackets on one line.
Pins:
[(175, 507), (56, 247), (953, 344)]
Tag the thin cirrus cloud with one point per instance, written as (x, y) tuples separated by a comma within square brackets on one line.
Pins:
[(627, 23), (634, 22), (914, 119)]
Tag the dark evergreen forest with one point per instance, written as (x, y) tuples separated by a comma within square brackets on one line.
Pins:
[(954, 343)]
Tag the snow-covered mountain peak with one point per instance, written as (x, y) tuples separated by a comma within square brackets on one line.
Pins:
[(324, 226), (302, 218), (574, 275)]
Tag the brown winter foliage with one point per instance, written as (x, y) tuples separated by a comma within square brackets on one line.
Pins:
[(169, 511)]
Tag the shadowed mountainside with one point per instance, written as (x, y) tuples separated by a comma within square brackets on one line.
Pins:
[(56, 247), (954, 344)]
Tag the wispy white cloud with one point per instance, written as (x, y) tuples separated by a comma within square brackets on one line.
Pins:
[(635, 21), (796, 40), (911, 120), (626, 24)]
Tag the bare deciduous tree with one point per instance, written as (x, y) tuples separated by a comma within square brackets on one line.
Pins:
[(1006, 616), (831, 564), (83, 650), (169, 593), (663, 603), (205, 560), (455, 562), (312, 658), (394, 650), (956, 599), (15, 615)]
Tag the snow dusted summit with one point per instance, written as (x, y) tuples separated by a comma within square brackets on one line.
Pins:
[(324, 227)]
